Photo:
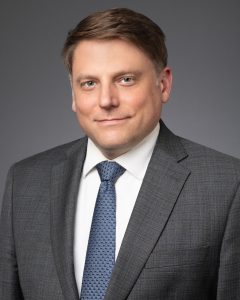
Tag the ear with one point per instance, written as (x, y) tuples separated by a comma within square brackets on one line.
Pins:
[(165, 83), (73, 95)]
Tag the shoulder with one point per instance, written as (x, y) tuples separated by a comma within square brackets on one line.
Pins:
[(210, 161), (197, 158), (48, 158), (34, 173)]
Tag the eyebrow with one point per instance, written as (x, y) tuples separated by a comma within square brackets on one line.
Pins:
[(116, 75), (136, 73), (85, 76)]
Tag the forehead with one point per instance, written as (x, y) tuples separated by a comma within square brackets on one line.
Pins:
[(109, 54)]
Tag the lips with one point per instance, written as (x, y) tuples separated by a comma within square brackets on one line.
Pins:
[(112, 121)]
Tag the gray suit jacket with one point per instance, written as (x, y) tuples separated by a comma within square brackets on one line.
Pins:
[(182, 241)]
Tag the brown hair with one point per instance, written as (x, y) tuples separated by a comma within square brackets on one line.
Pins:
[(119, 23)]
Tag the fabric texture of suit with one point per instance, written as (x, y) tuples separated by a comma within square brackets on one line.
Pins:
[(182, 240)]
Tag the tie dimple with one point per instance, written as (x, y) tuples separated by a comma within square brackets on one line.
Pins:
[(109, 170), (100, 256)]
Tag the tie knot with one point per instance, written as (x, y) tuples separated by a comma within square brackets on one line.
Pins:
[(109, 170)]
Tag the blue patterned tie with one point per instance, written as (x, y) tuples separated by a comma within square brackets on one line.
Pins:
[(100, 257)]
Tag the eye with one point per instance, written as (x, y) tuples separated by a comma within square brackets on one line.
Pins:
[(127, 80), (87, 84)]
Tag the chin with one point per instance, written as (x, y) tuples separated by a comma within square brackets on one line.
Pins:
[(112, 150), (111, 141)]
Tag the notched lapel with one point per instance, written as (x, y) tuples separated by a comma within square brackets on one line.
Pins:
[(64, 191), (159, 192)]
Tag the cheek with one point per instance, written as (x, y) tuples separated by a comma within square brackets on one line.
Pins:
[(144, 96), (83, 106), (135, 100), (148, 104)]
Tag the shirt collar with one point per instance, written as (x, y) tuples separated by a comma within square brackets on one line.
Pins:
[(134, 161)]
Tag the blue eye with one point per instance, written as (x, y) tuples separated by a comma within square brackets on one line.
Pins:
[(128, 80), (88, 84)]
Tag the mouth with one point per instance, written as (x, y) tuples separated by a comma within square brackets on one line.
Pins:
[(112, 121)]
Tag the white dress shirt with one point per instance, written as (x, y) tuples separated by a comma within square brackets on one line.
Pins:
[(127, 187)]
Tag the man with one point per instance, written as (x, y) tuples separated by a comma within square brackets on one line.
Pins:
[(172, 231)]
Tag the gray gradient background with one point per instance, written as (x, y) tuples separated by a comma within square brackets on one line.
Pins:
[(203, 39)]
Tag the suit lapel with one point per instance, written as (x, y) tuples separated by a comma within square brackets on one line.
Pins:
[(64, 191), (161, 186)]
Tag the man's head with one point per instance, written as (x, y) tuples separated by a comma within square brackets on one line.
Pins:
[(119, 78)]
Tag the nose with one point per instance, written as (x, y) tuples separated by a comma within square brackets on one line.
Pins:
[(108, 97)]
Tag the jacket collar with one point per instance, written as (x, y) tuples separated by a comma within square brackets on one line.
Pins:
[(64, 190)]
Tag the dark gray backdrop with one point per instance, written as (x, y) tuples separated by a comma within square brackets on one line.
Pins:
[(203, 38)]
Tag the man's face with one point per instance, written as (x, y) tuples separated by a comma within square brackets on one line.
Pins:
[(117, 94)]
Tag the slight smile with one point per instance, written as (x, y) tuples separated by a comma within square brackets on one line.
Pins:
[(112, 121)]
